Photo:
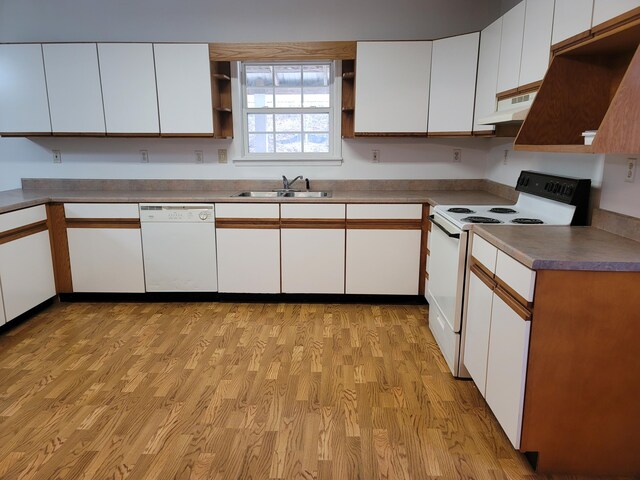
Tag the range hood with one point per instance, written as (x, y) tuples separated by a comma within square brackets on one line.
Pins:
[(510, 110)]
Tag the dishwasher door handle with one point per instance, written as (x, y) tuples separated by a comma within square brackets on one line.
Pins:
[(449, 234)]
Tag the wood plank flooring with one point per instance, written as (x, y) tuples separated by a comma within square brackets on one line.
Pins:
[(240, 391)]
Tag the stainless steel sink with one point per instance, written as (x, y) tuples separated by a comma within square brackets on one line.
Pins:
[(281, 193)]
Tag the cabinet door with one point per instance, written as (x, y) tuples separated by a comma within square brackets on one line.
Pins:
[(536, 46), (453, 84), (24, 106), (604, 10), (477, 328), (3, 318), (73, 82), (507, 368), (571, 18), (511, 48), (385, 262), (488, 62), (392, 87), (248, 260), (184, 88), (128, 79), (26, 273), (106, 259)]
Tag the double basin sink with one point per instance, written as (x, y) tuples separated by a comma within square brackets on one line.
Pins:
[(283, 194)]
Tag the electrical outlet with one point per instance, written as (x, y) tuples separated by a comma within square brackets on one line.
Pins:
[(144, 156), (222, 155), (57, 157), (457, 155), (199, 156), (375, 156), (506, 157), (631, 170)]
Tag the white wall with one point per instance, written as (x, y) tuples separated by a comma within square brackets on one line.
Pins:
[(618, 195)]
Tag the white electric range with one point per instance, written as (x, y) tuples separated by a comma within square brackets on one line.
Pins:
[(544, 200)]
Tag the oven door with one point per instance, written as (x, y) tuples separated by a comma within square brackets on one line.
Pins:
[(446, 269)]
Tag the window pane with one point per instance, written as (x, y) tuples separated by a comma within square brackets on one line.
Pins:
[(257, 122), (287, 122), (288, 142), (288, 97), (259, 75), (288, 75), (261, 143), (316, 97), (316, 122), (259, 97), (316, 142), (316, 75)]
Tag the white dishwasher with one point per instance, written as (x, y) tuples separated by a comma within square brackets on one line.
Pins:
[(179, 247)]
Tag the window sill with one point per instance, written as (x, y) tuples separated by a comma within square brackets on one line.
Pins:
[(278, 162)]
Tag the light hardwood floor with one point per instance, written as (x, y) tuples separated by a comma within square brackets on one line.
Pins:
[(240, 391)]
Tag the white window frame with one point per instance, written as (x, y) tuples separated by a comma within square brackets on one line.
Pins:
[(333, 156)]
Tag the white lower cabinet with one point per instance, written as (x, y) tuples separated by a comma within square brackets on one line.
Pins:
[(507, 368), (26, 273), (106, 260)]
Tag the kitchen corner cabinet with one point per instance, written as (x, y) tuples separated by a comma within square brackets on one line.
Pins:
[(26, 265), (454, 65), (24, 106), (105, 247), (571, 20), (604, 10), (73, 83), (511, 48), (536, 44), (248, 247), (383, 249), (313, 248), (487, 83), (392, 88), (128, 78), (183, 77)]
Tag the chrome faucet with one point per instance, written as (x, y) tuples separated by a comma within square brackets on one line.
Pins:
[(287, 184)]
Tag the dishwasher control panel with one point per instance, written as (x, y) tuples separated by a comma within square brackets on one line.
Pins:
[(177, 212)]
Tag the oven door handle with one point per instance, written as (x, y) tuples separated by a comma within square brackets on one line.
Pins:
[(449, 234)]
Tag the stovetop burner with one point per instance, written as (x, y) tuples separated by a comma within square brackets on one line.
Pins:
[(476, 219), (460, 210), (527, 221), (502, 210)]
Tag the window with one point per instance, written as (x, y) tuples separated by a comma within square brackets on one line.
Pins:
[(288, 111)]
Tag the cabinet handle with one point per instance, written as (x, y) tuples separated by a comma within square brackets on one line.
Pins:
[(483, 277), (449, 234), (513, 304)]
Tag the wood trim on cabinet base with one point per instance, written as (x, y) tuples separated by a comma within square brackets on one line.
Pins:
[(21, 232), (481, 273), (25, 134), (315, 223), (449, 134), (616, 22), (59, 247), (512, 293), (103, 223), (248, 223), (521, 90), (569, 42), (514, 305), (383, 224)]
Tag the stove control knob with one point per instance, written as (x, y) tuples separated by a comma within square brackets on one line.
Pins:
[(203, 215), (569, 191)]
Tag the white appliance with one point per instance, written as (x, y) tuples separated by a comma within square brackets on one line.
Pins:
[(544, 200), (179, 247), (510, 110)]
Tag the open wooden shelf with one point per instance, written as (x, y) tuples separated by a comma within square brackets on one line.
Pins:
[(594, 85), (348, 97), (221, 97)]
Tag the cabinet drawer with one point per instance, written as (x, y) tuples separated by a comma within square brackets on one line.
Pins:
[(385, 211), (101, 210), (310, 210), (20, 218), (247, 210), (515, 275), (484, 252)]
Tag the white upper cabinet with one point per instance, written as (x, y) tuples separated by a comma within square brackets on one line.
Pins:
[(24, 107), (536, 45), (453, 84), (511, 48), (129, 88), (570, 18), (604, 10), (184, 88), (488, 61), (392, 87), (73, 81)]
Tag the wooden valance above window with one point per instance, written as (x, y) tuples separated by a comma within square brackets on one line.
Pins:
[(285, 51)]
